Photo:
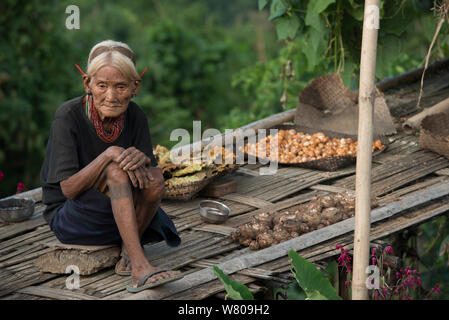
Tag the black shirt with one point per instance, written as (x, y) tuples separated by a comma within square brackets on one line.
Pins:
[(74, 143)]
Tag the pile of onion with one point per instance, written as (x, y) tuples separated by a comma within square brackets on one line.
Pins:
[(298, 147)]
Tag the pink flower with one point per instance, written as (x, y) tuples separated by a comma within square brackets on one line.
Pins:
[(436, 289), (2, 175), (389, 250), (373, 260), (20, 187)]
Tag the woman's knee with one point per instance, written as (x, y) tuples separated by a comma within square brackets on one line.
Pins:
[(115, 174), (155, 191)]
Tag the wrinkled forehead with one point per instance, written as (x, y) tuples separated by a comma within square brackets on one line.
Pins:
[(110, 75)]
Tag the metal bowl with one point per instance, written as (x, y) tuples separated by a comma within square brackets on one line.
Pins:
[(16, 210), (213, 211)]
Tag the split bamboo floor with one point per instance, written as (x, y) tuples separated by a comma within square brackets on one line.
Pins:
[(402, 169)]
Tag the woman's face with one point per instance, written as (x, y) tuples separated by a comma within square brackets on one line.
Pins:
[(111, 92)]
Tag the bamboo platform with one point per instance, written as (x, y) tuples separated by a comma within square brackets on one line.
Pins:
[(412, 187)]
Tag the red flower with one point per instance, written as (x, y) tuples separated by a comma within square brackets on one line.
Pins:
[(20, 187), (436, 289), (2, 175)]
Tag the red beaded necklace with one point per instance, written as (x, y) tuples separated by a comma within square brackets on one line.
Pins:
[(107, 136)]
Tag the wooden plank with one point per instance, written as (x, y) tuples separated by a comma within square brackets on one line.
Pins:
[(57, 294), (24, 282), (442, 172), (15, 229), (251, 201), (30, 256), (35, 194), (47, 236), (328, 188), (220, 229), (301, 242), (246, 171)]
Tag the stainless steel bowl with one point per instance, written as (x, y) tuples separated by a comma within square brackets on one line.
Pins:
[(16, 210), (214, 212)]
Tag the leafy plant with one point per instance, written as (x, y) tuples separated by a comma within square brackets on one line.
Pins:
[(310, 284), (311, 280), (234, 289)]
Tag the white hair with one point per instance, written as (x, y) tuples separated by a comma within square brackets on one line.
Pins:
[(112, 53)]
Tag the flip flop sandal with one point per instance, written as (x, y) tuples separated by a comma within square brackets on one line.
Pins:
[(122, 273), (141, 286)]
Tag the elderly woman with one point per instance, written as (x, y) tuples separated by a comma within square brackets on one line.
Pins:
[(100, 178)]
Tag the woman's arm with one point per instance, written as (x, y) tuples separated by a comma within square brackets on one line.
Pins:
[(86, 177)]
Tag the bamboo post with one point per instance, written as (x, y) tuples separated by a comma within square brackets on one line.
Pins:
[(364, 152)]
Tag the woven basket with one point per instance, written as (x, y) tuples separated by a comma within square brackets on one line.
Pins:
[(434, 134), (185, 191), (188, 191), (329, 163)]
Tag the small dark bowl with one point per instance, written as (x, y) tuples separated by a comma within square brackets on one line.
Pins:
[(16, 210)]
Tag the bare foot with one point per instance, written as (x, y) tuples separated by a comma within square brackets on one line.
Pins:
[(124, 264)]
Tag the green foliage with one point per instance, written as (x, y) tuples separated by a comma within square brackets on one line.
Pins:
[(311, 280), (428, 251), (33, 81), (234, 289), (293, 292), (310, 284), (324, 36), (191, 53)]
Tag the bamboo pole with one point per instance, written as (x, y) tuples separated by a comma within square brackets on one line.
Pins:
[(364, 152)]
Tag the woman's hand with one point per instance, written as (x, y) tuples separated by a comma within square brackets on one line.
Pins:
[(114, 152), (142, 177), (139, 178), (132, 158)]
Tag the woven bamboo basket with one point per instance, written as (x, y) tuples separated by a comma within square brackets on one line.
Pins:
[(188, 191), (434, 133), (329, 163)]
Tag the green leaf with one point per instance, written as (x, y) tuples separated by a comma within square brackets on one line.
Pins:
[(287, 27), (331, 272), (311, 280), (262, 4), (234, 289), (347, 74), (429, 25), (312, 46), (315, 295), (356, 12), (318, 6), (444, 247), (387, 52), (293, 292), (277, 9)]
